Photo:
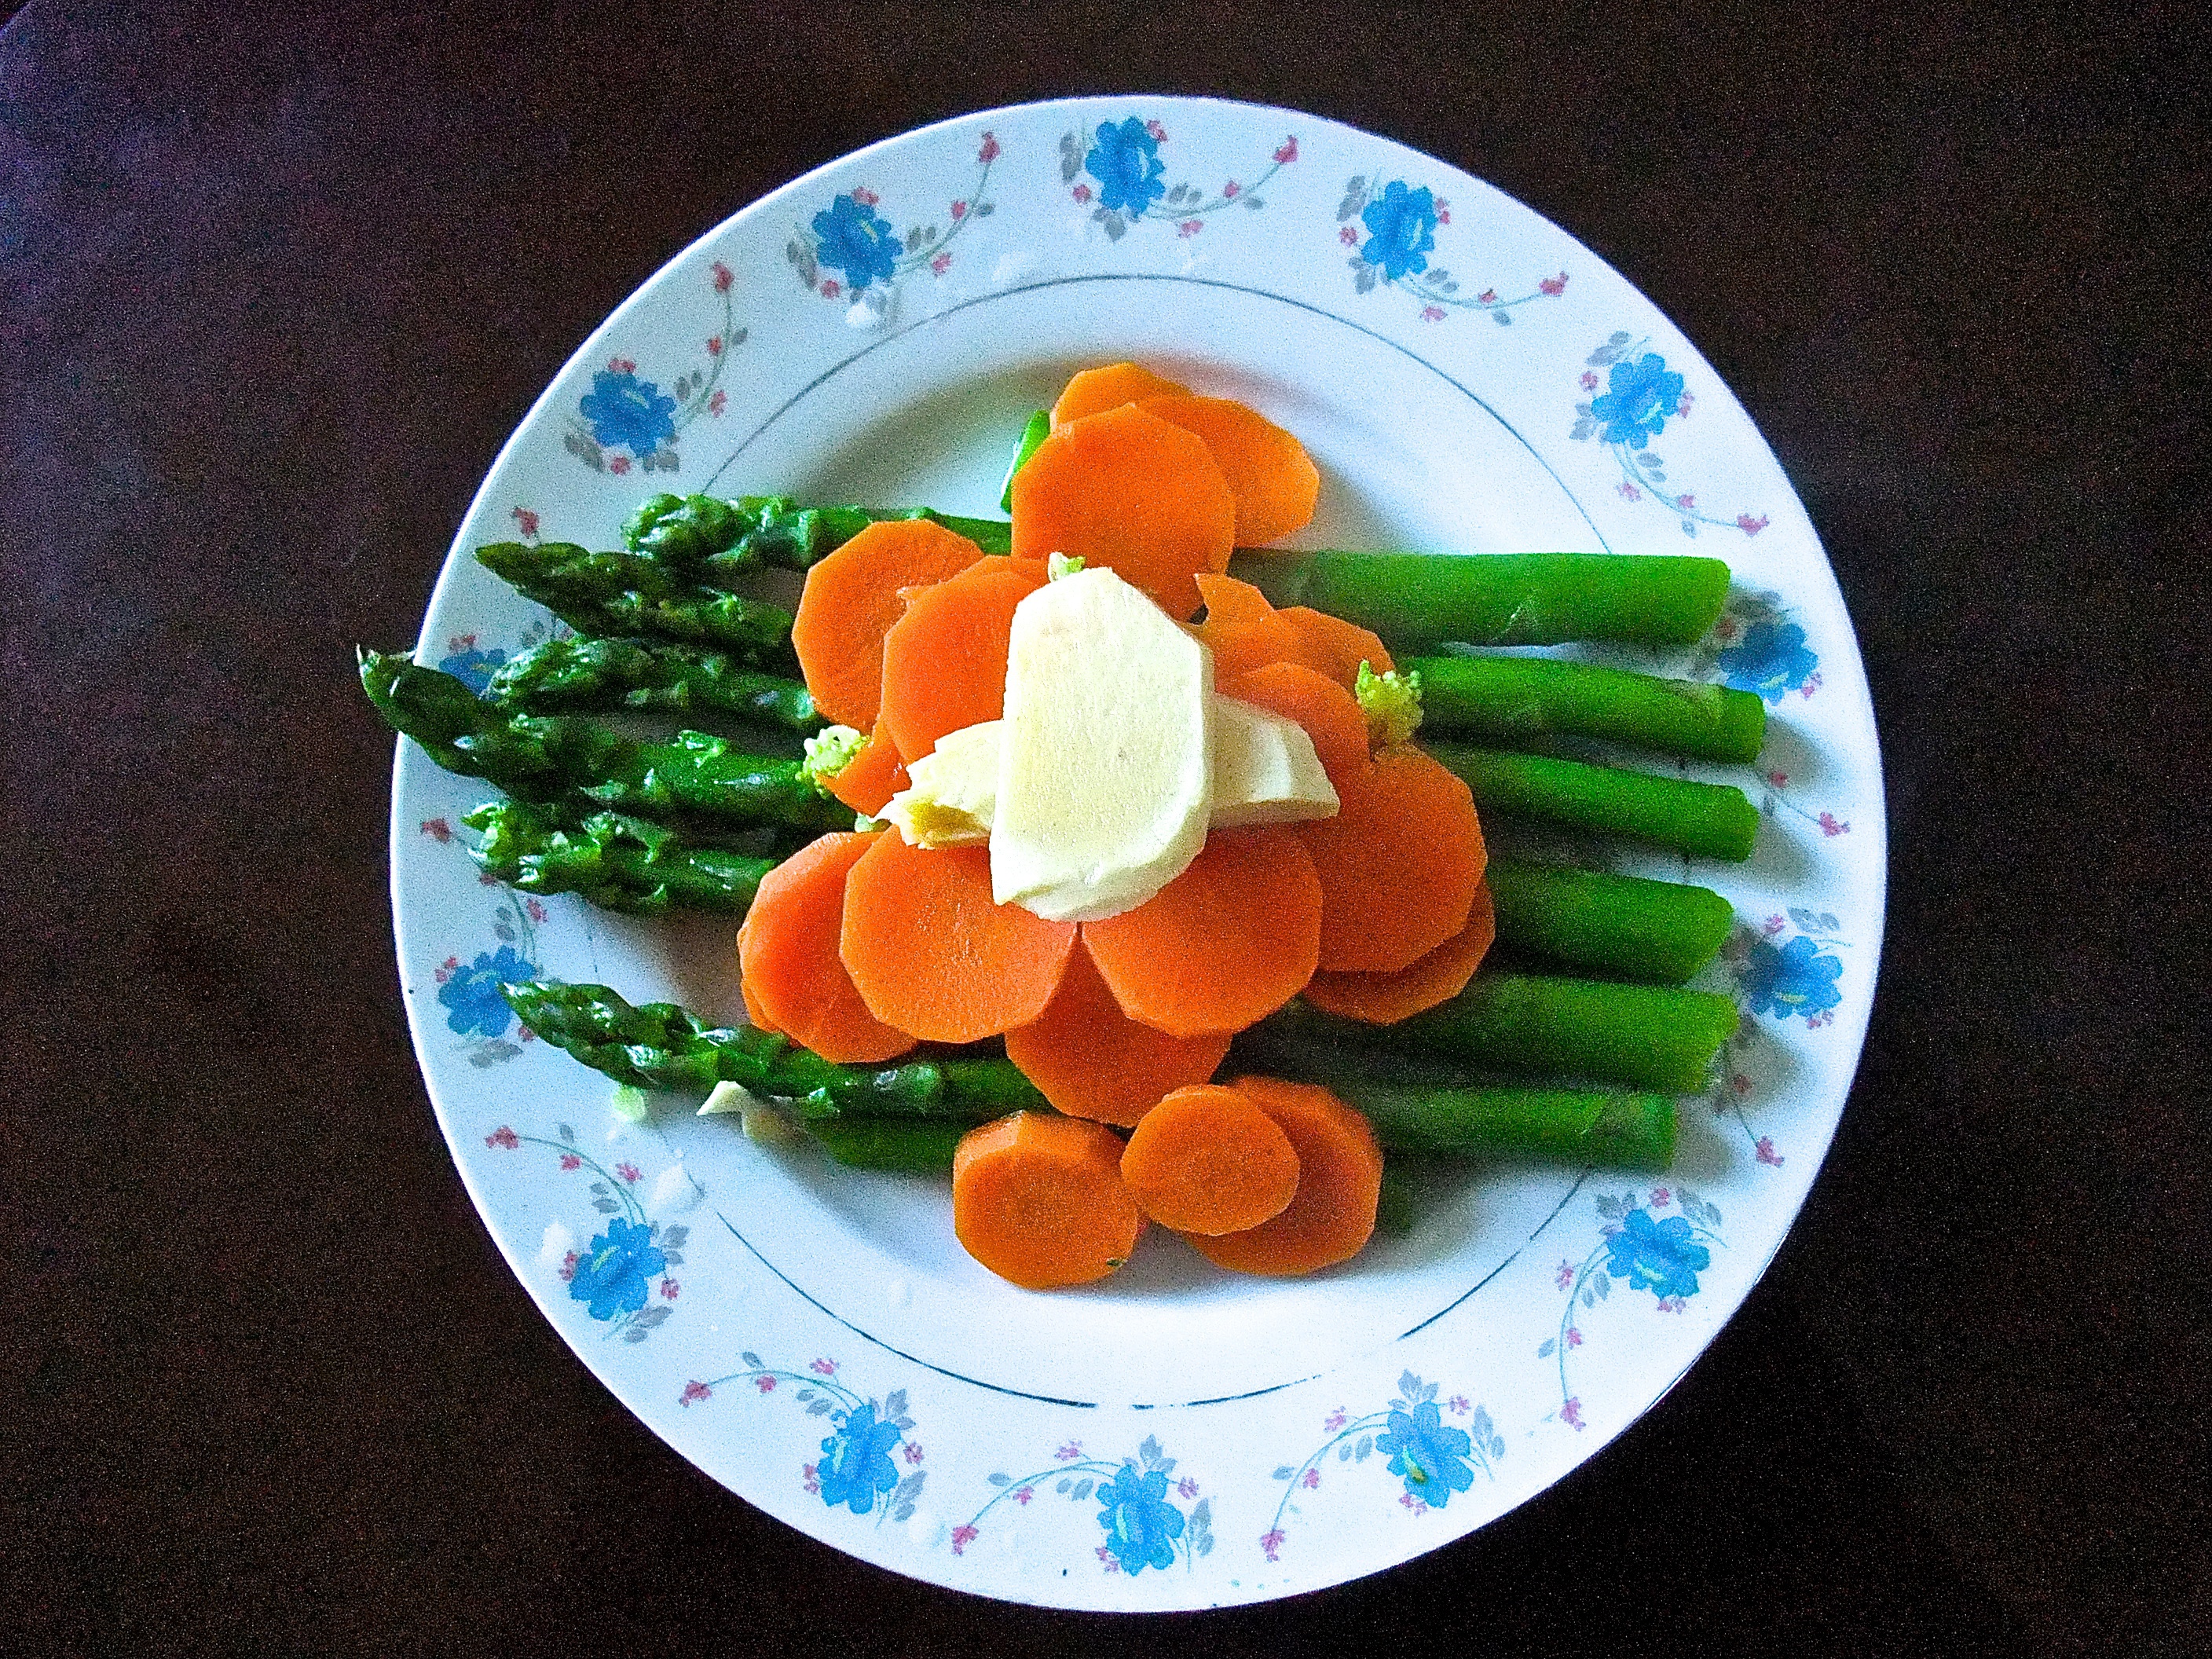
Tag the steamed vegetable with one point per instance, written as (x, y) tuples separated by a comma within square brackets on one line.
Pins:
[(720, 540), (1518, 699), (1398, 865), (1038, 1200), (787, 953), (1442, 974), (1332, 1215), (1273, 481), (615, 862), (575, 675), (1092, 1061), (630, 593), (1618, 924), (851, 601), (1709, 820), (1417, 601), (1207, 1160)]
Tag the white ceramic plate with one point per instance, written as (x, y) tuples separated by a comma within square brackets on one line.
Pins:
[(1467, 377)]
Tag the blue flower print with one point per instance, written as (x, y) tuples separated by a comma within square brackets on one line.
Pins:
[(852, 237), (856, 1461), (1428, 1453), (1658, 1256), (615, 1274), (1126, 163), (472, 668), (626, 412), (1405, 226), (1793, 980), (1771, 661), (1141, 1525), (1638, 398), (471, 995)]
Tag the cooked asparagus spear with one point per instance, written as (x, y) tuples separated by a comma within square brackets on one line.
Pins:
[(614, 594), (1711, 820), (578, 675), (616, 862), (724, 537), (1513, 699), (1607, 923), (1417, 601)]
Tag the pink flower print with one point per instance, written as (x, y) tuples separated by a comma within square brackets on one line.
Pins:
[(619, 466), (1159, 133), (1024, 1494), (1286, 152), (1779, 780), (1673, 1304), (537, 912), (1572, 1412), (1749, 526), (1311, 1479), (1187, 1488), (1460, 1407), (694, 1390), (503, 1137), (1831, 825), (1443, 211), (570, 1161), (1107, 1556), (1336, 1420), (1629, 492), (723, 278), (622, 365), (669, 1290), (1070, 1452), (1812, 684), (1662, 1197), (1190, 227), (1767, 1155), (488, 879), (1488, 297), (714, 345), (1686, 501), (1574, 1337), (807, 1476), (1413, 1503), (1432, 313), (960, 210), (830, 289), (1725, 627), (1563, 1274), (1739, 1083), (1348, 236), (962, 1538), (1683, 404), (629, 1172), (990, 151), (1081, 193), (913, 1453), (764, 1382), (1589, 381), (719, 402), (461, 642), (1772, 926), (864, 197), (438, 829), (823, 1367), (1270, 1541), (525, 520), (941, 264), (1228, 190), (1555, 286)]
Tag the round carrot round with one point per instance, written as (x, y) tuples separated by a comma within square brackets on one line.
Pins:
[(1134, 493), (1241, 629), (1038, 1200), (852, 598), (1108, 386), (1399, 864), (1269, 472), (1333, 647), (871, 777), (944, 660), (1330, 714), (1206, 1160), (1091, 1059), (1331, 1214), (1226, 943), (931, 954), (788, 960), (1386, 998)]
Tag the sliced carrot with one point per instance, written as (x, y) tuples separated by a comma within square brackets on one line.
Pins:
[(1386, 998), (871, 777), (754, 1013), (1207, 1160), (1093, 1060), (1038, 1200), (852, 598), (1109, 387), (788, 957), (1334, 647), (933, 955), (944, 661), (1131, 492), (1330, 714), (1226, 943), (1339, 1177), (1399, 864), (1269, 472), (1241, 629)]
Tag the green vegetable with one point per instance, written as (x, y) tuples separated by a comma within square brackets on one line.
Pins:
[(1417, 601), (901, 1145), (595, 676), (1607, 923), (658, 1045), (1711, 820), (1392, 702), (617, 863), (1514, 699), (1038, 429), (1397, 1206), (717, 539), (830, 750), (1616, 1127), (626, 593)]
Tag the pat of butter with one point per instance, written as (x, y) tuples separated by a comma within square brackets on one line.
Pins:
[(952, 792)]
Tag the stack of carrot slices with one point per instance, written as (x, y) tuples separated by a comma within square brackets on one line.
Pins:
[(862, 944)]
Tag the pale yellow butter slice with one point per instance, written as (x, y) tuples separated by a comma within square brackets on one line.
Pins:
[(952, 790), (1265, 769)]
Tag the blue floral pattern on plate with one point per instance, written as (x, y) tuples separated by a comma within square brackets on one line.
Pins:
[(621, 1276), (1661, 1256), (1115, 171), (1641, 395), (849, 252), (627, 420), (1399, 222), (1143, 1527), (859, 1469)]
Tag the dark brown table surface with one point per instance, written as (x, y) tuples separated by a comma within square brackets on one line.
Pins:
[(274, 288)]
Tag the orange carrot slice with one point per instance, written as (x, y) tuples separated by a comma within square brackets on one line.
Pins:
[(852, 598), (1269, 472), (1334, 647), (1038, 1200), (1330, 714), (1131, 492), (754, 1013), (1386, 998), (1092, 1061), (1207, 1160), (1242, 629), (1227, 941), (1399, 864), (1109, 387), (931, 954), (944, 661), (788, 957), (871, 777), (1331, 1214)]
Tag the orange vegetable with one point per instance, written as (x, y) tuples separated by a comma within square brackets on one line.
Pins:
[(871, 777), (1331, 716), (1134, 493), (1039, 1199), (1207, 1160), (1399, 864), (1227, 941), (1109, 387), (1268, 471), (1241, 629), (753, 1010), (1334, 647), (933, 955), (1093, 1060), (788, 954), (944, 661), (852, 598), (1331, 1214), (1386, 998)]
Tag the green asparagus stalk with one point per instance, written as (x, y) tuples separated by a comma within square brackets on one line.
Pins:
[(1038, 429), (1397, 1205), (1513, 699), (1709, 820), (617, 593), (720, 540), (1617, 1127), (616, 862), (1417, 601), (900, 1146), (583, 676), (458, 729), (1606, 924)]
